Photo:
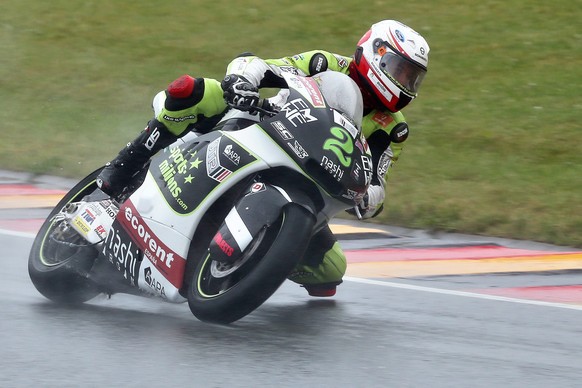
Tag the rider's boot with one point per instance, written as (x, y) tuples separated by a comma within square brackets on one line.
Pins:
[(118, 173), (321, 271)]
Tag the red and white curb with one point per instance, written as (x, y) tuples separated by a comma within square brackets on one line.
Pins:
[(377, 266)]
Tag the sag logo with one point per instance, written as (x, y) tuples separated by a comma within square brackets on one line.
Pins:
[(341, 145)]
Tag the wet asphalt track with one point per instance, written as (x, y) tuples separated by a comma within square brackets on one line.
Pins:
[(371, 334), (366, 336)]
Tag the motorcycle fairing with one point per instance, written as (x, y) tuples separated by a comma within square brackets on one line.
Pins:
[(337, 159), (206, 159), (203, 163)]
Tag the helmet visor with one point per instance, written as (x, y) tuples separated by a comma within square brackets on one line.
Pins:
[(406, 73)]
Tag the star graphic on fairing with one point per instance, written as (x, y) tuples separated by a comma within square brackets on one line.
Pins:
[(195, 163), (188, 179)]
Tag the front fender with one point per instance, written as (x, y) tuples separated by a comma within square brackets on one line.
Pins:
[(258, 209)]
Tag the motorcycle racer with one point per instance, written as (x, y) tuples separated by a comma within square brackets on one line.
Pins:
[(388, 66)]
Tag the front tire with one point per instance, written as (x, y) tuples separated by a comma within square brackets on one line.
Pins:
[(59, 259), (226, 295)]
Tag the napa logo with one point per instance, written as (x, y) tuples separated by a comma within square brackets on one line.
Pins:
[(341, 145)]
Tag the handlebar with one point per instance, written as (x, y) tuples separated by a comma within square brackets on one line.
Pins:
[(264, 107)]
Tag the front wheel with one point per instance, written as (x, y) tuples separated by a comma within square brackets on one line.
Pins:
[(60, 257), (224, 293)]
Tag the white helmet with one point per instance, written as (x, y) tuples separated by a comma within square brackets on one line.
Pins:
[(391, 61)]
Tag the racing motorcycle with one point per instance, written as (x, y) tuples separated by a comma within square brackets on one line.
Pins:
[(218, 220)]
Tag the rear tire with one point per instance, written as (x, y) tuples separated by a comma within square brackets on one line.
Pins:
[(266, 263), (59, 260)]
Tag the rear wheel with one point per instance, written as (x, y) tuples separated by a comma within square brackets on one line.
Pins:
[(60, 257), (224, 293)]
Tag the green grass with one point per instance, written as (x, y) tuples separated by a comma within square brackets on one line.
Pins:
[(496, 138)]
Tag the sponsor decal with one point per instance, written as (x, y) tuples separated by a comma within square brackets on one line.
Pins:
[(368, 168), (155, 285), (341, 144), (420, 56), (341, 61), (231, 154), (346, 123), (88, 216), (152, 139), (109, 208), (178, 165), (385, 162), (382, 118), (175, 164), (82, 225), (402, 135), (168, 172), (168, 262), (334, 169), (257, 187), (298, 149), (320, 64), (313, 91), (101, 231), (379, 85), (298, 113), (399, 35), (356, 169), (94, 219), (282, 130), (180, 119), (188, 165), (122, 253), (317, 64), (291, 70), (214, 169), (388, 91), (155, 250), (294, 82), (239, 65), (223, 244)]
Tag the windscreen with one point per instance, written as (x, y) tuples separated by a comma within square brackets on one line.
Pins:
[(341, 93)]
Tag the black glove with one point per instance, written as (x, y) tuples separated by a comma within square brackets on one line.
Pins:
[(239, 92)]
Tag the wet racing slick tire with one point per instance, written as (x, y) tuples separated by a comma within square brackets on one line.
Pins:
[(225, 293), (60, 257)]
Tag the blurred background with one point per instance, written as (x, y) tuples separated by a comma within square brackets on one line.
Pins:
[(495, 145)]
